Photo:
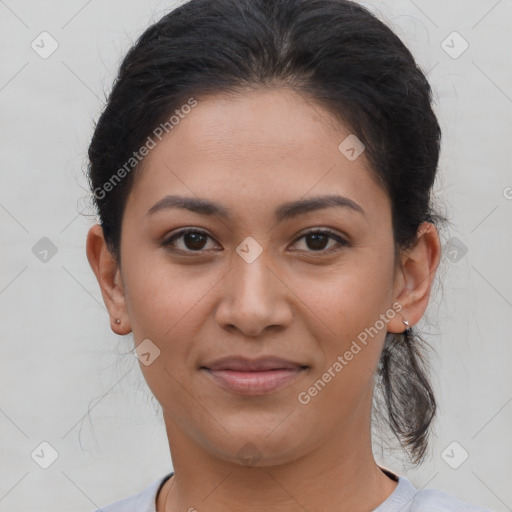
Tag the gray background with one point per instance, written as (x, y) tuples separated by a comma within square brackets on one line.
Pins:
[(66, 379)]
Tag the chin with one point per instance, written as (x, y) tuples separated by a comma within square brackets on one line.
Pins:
[(260, 446)]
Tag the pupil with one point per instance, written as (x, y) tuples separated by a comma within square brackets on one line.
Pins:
[(318, 245), (196, 242)]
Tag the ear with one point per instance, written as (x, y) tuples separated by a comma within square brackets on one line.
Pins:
[(108, 274), (414, 277)]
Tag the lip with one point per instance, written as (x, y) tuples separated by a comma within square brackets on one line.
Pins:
[(254, 376)]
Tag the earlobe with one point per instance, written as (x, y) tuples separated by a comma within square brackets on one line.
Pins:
[(414, 279), (108, 275)]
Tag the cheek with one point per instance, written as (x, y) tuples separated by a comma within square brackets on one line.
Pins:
[(165, 308), (349, 304), (352, 295), (158, 293), (166, 305), (169, 305)]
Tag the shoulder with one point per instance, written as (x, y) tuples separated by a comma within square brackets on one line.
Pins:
[(143, 501), (434, 500)]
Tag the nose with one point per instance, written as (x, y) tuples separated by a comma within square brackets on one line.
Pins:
[(255, 298)]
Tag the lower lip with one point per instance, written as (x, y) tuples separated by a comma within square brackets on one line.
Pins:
[(255, 383)]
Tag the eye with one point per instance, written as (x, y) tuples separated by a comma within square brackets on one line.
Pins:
[(192, 240), (195, 240), (316, 240)]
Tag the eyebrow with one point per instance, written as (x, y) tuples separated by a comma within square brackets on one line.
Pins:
[(284, 212)]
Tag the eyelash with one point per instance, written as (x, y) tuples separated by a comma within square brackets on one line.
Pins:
[(331, 234)]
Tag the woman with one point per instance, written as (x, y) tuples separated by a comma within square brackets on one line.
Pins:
[(263, 173)]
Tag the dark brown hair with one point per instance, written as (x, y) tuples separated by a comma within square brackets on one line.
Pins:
[(334, 51)]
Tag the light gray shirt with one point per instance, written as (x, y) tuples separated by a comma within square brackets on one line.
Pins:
[(405, 498)]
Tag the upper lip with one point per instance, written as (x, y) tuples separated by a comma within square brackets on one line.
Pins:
[(244, 364)]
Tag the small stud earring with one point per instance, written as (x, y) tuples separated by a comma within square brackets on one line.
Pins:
[(118, 321), (406, 322)]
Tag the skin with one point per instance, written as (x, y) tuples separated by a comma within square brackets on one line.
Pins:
[(293, 301)]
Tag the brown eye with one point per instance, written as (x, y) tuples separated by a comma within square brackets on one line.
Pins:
[(191, 240), (317, 241)]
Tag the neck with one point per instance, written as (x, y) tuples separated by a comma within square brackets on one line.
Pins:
[(338, 475)]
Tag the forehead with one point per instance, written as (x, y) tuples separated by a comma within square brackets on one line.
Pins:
[(267, 123), (259, 147)]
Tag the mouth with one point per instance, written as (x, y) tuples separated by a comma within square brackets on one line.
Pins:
[(254, 377)]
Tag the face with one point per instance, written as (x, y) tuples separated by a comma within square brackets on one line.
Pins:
[(259, 278)]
